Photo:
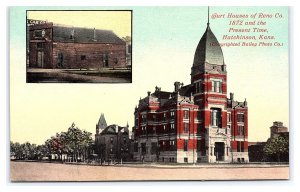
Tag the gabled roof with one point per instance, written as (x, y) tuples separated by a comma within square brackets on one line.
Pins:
[(84, 35)]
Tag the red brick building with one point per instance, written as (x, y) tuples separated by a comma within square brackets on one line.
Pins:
[(56, 46), (196, 122)]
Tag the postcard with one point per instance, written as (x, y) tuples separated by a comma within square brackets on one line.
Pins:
[(149, 93)]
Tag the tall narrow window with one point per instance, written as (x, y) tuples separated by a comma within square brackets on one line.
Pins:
[(172, 126), (198, 87), (186, 127), (240, 130), (186, 114), (215, 117), (240, 117), (228, 117), (216, 86), (105, 60), (186, 142)]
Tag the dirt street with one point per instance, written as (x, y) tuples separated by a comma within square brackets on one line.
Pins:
[(34, 171)]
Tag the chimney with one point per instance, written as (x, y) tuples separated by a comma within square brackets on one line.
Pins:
[(231, 96), (177, 86), (148, 93)]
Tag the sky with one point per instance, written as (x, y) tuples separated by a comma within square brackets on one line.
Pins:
[(164, 43), (117, 21)]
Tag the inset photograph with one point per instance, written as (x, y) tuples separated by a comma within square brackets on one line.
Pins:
[(68, 46)]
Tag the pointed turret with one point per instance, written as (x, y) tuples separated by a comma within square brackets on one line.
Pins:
[(101, 125)]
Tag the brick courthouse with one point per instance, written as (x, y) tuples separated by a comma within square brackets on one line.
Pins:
[(57, 46), (195, 122)]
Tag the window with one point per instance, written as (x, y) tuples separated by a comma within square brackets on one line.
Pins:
[(154, 130), (185, 159), (186, 142), (111, 140), (228, 117), (172, 114), (39, 33), (198, 87), (124, 139), (154, 117), (144, 118), (198, 145), (186, 127), (215, 117), (164, 128), (40, 45), (172, 126), (172, 145), (240, 130), (105, 60), (240, 117), (143, 130), (216, 86), (186, 114), (240, 146), (83, 57)]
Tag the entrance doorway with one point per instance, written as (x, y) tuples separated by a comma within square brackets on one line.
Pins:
[(219, 151), (40, 59)]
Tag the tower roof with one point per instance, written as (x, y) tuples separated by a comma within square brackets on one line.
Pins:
[(102, 122), (208, 49)]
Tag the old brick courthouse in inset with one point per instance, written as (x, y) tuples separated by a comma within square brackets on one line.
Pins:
[(57, 46), (195, 122)]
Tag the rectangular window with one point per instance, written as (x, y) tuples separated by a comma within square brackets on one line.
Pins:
[(39, 33), (198, 145), (186, 114), (240, 117), (154, 117), (216, 117), (186, 127), (172, 126), (216, 86), (111, 140), (186, 160), (186, 142), (240, 146), (172, 145), (198, 87), (228, 117), (143, 130), (240, 130), (83, 57), (172, 114), (40, 45)]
